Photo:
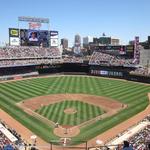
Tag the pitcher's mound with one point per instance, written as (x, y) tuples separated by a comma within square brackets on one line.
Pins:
[(70, 111)]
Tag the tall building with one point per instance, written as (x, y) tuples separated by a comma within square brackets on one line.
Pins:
[(64, 43), (115, 41), (96, 40), (105, 40), (145, 57), (131, 42), (149, 40), (77, 40), (87, 40), (77, 44), (102, 41)]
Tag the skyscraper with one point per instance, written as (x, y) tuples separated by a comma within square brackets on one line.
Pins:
[(77, 44), (77, 41), (115, 41), (87, 40), (64, 43)]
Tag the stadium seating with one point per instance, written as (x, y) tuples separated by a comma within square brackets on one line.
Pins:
[(26, 62), (28, 52), (143, 71), (9, 138), (23, 56), (99, 58), (73, 59)]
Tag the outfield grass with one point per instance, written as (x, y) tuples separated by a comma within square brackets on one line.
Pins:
[(55, 112), (130, 93)]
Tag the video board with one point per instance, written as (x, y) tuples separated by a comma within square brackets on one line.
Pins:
[(30, 37)]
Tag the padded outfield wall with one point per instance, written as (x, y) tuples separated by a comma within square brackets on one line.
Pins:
[(75, 68)]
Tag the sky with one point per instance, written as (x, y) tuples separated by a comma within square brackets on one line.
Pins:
[(123, 19)]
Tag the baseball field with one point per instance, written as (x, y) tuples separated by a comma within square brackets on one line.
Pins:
[(91, 104)]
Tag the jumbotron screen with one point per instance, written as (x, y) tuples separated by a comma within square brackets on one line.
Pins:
[(30, 37)]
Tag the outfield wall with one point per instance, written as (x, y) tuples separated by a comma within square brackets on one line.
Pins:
[(75, 68), (118, 72)]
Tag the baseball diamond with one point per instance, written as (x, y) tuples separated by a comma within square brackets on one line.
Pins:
[(74, 75), (132, 95)]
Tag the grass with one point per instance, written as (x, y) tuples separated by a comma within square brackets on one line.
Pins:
[(55, 112), (130, 93)]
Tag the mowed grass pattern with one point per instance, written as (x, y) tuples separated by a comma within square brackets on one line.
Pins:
[(130, 93), (55, 112)]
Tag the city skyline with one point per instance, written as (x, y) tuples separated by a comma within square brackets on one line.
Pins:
[(123, 20)]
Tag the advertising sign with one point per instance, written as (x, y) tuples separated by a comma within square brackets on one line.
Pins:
[(103, 72), (54, 34), (54, 42), (14, 41), (13, 32), (136, 50)]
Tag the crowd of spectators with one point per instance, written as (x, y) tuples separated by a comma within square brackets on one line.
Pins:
[(22, 52), (6, 143), (100, 58), (73, 59), (143, 71), (26, 62), (140, 139), (20, 56)]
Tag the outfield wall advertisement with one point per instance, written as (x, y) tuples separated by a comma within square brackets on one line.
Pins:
[(107, 73)]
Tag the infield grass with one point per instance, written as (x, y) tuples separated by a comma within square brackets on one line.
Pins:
[(84, 112)]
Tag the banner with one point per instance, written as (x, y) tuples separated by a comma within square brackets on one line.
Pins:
[(136, 50)]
